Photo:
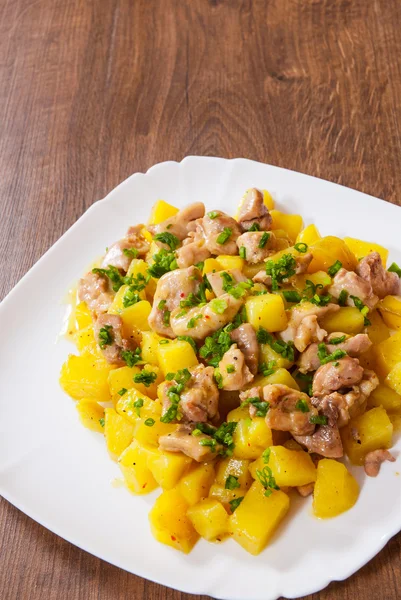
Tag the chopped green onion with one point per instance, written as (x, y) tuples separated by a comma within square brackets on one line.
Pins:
[(291, 296), (301, 247), (150, 422), (302, 405), (231, 483), (343, 297), (213, 214), (242, 252), (235, 503), (394, 268), (254, 227), (335, 267), (318, 420), (337, 340), (224, 236), (264, 239)]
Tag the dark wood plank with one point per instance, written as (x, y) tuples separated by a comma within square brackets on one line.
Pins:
[(93, 91)]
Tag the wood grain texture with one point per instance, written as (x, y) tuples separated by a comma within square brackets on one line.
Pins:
[(92, 91)]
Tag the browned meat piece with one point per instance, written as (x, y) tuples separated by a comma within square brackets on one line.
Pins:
[(234, 370), (254, 392), (218, 279), (353, 346), (203, 321), (288, 410), (183, 441), (199, 402), (354, 285), (305, 490), (333, 376), (303, 327), (302, 263), (192, 252), (374, 460), (112, 351), (258, 245), (253, 210), (326, 441), (94, 290), (211, 227), (180, 224), (134, 240), (381, 281), (172, 288), (245, 338)]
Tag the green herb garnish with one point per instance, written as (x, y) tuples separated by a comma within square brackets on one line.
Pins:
[(149, 422), (230, 369), (281, 270), (218, 305), (267, 480), (301, 247), (337, 340), (318, 420), (145, 377), (363, 309), (235, 503), (213, 214), (264, 239), (131, 358), (164, 262), (325, 358), (106, 337), (232, 483), (254, 227), (335, 267), (302, 405), (224, 236), (169, 239), (138, 405), (131, 252), (101, 421), (122, 391), (292, 296), (394, 268), (343, 297), (242, 252)]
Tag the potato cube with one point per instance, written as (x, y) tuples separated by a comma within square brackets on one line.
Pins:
[(149, 345), (229, 263), (161, 211), (348, 320), (329, 249), (251, 437), (211, 265), (377, 330), (85, 377), (167, 467), (133, 464), (83, 316), (195, 484), (292, 224), (117, 306), (266, 311), (290, 468), (84, 340), (91, 414), (318, 278), (234, 467), (176, 355), (388, 354), (336, 490), (209, 518), (390, 309), (386, 397), (267, 354), (257, 517), (360, 249), (225, 496), (279, 376), (120, 378), (250, 270), (170, 524), (118, 432), (268, 199), (393, 379), (375, 431), (148, 430), (133, 405), (309, 235), (135, 317)]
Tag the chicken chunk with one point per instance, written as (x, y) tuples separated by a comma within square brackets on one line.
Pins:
[(203, 321), (290, 410), (305, 490), (199, 401), (95, 291), (220, 232), (251, 393), (352, 345), (183, 441), (382, 282), (172, 288), (344, 373), (303, 327), (258, 245), (218, 279), (234, 370), (253, 210), (374, 460), (192, 252), (134, 240), (245, 338), (354, 285), (302, 263), (113, 343), (326, 441), (180, 224)]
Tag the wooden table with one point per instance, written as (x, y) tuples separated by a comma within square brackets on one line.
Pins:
[(94, 90)]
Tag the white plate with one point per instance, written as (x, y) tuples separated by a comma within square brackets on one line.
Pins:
[(59, 473)]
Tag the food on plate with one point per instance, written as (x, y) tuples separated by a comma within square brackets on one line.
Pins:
[(234, 362)]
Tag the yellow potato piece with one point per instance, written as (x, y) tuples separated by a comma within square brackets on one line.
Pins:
[(266, 311), (167, 467), (327, 251), (251, 437), (149, 344), (196, 483), (118, 432), (133, 405), (236, 467), (393, 379), (149, 434), (347, 320), (117, 306), (386, 397), (170, 524), (251, 270), (91, 414), (135, 318), (228, 262), (375, 431), (290, 468), (390, 310), (292, 224), (161, 211), (318, 278), (279, 376), (267, 354), (120, 378), (133, 463), (83, 315), (268, 199), (85, 377), (360, 249), (176, 355), (225, 496), (309, 235), (336, 490), (210, 265), (378, 330), (257, 517), (209, 518), (84, 340), (388, 354)]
